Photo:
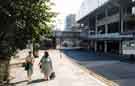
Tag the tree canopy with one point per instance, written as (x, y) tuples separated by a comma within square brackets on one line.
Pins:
[(23, 20)]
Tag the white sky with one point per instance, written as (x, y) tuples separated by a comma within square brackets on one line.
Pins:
[(65, 7)]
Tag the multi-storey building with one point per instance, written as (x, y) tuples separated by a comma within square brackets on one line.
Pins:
[(70, 22), (111, 25)]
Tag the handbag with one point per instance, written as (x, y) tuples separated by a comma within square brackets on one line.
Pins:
[(26, 66), (23, 64), (52, 76), (40, 66)]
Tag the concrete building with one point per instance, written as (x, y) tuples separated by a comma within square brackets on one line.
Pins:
[(110, 25), (67, 39), (70, 22)]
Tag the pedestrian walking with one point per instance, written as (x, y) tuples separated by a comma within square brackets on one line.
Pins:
[(46, 65), (29, 61)]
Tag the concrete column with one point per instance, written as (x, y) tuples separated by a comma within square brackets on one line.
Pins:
[(88, 33), (105, 47), (96, 26), (96, 30), (106, 31), (121, 27), (106, 25), (105, 43), (120, 48), (95, 46), (106, 28), (121, 20), (106, 12)]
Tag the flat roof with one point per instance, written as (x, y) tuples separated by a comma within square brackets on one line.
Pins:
[(89, 6)]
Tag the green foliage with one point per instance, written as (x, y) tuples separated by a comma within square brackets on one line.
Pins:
[(34, 16), (24, 20)]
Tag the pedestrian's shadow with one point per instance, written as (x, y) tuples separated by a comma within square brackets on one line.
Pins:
[(19, 82), (37, 81)]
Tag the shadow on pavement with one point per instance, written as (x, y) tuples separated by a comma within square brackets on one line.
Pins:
[(19, 82), (37, 81)]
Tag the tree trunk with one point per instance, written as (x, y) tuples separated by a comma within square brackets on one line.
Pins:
[(4, 71)]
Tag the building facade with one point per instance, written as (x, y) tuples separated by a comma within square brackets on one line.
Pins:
[(70, 22), (111, 25), (67, 39)]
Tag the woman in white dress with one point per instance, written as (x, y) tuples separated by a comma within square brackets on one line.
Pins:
[(46, 65)]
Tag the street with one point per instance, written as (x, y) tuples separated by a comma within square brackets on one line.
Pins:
[(67, 74), (114, 68)]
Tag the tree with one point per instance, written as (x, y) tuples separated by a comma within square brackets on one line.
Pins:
[(33, 17), (22, 20)]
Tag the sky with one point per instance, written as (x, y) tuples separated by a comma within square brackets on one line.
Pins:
[(65, 7)]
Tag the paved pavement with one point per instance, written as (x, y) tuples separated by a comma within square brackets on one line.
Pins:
[(110, 67), (67, 74), (19, 57)]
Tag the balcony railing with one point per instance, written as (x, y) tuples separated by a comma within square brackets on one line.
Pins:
[(108, 36)]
